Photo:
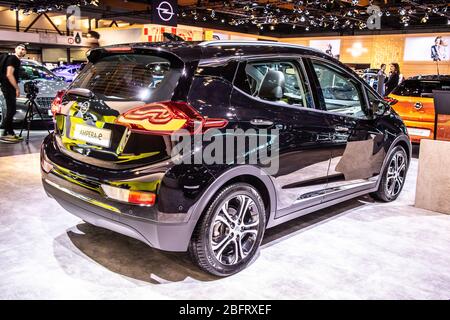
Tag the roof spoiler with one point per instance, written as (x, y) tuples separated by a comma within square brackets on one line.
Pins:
[(96, 54)]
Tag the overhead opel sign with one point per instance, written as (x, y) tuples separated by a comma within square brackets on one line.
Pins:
[(164, 12)]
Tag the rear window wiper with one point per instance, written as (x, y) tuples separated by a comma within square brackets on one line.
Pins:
[(84, 93)]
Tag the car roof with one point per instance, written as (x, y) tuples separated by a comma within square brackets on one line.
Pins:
[(189, 51), (30, 62), (431, 77)]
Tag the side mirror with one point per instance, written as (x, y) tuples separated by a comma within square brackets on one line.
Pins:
[(390, 101), (379, 108)]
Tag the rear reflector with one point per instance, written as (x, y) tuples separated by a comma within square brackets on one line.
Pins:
[(167, 117), (141, 198)]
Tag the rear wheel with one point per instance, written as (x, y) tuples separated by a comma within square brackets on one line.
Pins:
[(394, 175), (227, 237)]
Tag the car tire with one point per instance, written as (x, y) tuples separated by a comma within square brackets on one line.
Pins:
[(224, 241), (393, 177)]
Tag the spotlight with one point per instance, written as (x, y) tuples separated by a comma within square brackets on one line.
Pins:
[(424, 19)]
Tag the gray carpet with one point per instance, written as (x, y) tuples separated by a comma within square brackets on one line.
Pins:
[(360, 249)]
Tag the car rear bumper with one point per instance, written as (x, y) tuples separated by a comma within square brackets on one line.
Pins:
[(419, 130), (83, 198), (165, 236)]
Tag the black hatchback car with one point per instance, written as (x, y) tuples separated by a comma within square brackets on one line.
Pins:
[(112, 159)]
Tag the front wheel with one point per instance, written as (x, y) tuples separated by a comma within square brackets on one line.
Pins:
[(394, 176), (228, 235)]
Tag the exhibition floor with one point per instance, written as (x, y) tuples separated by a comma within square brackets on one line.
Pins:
[(360, 249)]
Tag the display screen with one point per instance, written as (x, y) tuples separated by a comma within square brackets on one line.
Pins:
[(330, 47), (433, 48)]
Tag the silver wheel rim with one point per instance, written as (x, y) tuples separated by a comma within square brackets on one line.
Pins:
[(396, 174), (234, 230)]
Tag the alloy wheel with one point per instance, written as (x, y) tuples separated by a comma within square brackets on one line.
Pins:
[(396, 174), (234, 230)]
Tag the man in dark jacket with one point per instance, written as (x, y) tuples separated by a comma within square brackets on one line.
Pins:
[(10, 89)]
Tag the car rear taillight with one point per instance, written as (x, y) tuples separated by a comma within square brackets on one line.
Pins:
[(168, 117), (142, 198), (391, 101), (57, 102)]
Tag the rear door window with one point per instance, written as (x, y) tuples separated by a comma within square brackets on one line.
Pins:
[(275, 81), (132, 77)]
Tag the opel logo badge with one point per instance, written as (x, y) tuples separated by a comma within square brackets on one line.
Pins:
[(418, 106), (165, 11), (84, 107)]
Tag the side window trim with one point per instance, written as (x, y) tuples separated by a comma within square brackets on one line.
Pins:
[(314, 83)]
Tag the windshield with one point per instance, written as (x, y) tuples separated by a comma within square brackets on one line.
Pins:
[(421, 88), (35, 72), (129, 77)]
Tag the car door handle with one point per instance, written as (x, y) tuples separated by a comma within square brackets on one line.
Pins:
[(341, 129), (261, 122)]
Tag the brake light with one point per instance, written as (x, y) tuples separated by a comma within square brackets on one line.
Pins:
[(166, 118), (119, 49), (57, 102), (391, 101)]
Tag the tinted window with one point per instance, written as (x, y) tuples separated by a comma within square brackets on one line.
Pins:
[(340, 92), (32, 72), (129, 77), (223, 69), (275, 81), (420, 88)]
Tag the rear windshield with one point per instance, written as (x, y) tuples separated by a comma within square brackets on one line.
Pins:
[(421, 88), (130, 77)]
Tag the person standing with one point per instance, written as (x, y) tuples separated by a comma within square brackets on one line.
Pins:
[(438, 51), (394, 78), (381, 78), (11, 91)]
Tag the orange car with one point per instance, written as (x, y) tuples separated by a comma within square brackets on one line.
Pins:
[(416, 105)]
